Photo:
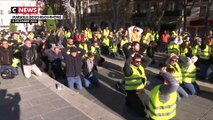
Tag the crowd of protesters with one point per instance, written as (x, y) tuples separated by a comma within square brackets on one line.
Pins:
[(72, 53)]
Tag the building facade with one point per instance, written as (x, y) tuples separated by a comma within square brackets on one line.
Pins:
[(5, 12), (153, 13)]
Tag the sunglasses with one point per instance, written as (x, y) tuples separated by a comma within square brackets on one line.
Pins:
[(174, 60), (137, 61)]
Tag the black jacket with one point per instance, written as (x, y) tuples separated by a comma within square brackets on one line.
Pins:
[(29, 55), (6, 55), (129, 51), (86, 69), (73, 64)]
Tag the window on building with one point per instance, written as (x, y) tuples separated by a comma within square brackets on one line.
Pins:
[(1, 22), (1, 12), (98, 8), (205, 0), (138, 8), (190, 1), (202, 11), (93, 9)]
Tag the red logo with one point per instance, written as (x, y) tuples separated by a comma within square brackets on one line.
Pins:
[(25, 10)]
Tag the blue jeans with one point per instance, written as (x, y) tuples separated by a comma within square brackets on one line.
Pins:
[(182, 92), (193, 88), (74, 80), (163, 47), (204, 71), (91, 79), (4, 67)]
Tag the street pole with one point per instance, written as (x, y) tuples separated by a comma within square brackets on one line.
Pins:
[(184, 15)]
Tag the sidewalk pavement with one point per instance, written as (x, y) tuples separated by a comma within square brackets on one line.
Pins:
[(38, 99)]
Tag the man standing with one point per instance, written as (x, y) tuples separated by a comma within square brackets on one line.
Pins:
[(135, 81), (165, 39), (73, 61)]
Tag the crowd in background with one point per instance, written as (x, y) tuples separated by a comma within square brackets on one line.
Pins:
[(71, 53)]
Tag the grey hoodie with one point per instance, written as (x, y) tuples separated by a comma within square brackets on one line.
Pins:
[(166, 90)]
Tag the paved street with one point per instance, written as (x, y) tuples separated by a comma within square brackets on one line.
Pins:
[(37, 98)]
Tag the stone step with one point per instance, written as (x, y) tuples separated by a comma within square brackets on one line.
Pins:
[(84, 105)]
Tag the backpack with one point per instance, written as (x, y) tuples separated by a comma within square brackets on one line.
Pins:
[(7, 74)]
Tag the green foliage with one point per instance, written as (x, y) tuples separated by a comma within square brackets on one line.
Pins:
[(13, 27), (51, 24)]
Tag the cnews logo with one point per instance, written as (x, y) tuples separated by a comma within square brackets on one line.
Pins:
[(25, 10)]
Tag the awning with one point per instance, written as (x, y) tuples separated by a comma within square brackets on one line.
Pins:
[(200, 23)]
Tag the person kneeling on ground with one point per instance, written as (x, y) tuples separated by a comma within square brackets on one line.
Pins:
[(29, 57), (134, 83), (73, 61), (163, 99), (6, 55), (89, 71)]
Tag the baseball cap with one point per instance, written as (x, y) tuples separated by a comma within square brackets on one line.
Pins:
[(73, 49)]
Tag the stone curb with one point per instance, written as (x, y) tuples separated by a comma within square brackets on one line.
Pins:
[(84, 105)]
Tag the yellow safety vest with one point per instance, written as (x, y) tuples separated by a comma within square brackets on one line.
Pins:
[(98, 36), (173, 48), (106, 32), (113, 48), (157, 37), (96, 50), (159, 110), (89, 34), (184, 51), (147, 38), (124, 41), (195, 50), (30, 36), (106, 42), (68, 34), (134, 81), (178, 72), (189, 74), (85, 47), (205, 54)]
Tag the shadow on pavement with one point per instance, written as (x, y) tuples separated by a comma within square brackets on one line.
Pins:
[(113, 99), (205, 93), (9, 105)]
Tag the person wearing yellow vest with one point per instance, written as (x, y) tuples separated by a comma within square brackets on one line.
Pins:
[(204, 60), (31, 35), (124, 40), (7, 56), (95, 49), (16, 58), (163, 99), (184, 48), (194, 47), (98, 35), (69, 43), (173, 63), (113, 47), (189, 75), (173, 48), (83, 45), (105, 45), (106, 31), (147, 38), (174, 44), (89, 34), (135, 81)]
